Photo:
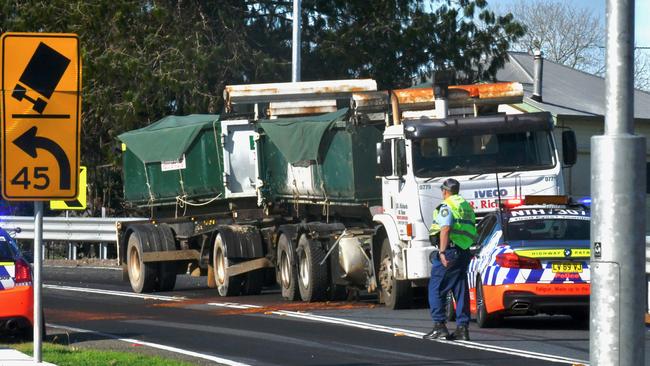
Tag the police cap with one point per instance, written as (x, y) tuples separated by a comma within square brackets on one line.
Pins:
[(451, 185)]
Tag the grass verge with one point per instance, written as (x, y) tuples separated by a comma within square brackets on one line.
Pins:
[(73, 356)]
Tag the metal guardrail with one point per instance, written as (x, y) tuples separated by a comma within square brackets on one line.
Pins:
[(71, 229)]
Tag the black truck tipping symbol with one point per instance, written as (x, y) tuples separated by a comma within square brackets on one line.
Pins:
[(42, 74)]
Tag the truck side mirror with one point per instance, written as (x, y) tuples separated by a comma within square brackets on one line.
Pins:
[(569, 147), (384, 159)]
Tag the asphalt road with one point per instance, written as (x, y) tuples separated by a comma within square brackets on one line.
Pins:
[(266, 330)]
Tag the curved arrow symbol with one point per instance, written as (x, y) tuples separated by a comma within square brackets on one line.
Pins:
[(29, 142)]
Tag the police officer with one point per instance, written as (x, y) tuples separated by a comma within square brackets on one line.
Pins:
[(454, 228)]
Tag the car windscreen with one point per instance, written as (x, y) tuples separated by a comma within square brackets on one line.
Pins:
[(550, 226), (484, 153)]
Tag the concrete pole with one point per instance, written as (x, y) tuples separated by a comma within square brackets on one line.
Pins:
[(37, 285), (616, 334), (295, 44)]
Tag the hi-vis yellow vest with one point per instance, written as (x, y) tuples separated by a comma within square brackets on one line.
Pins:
[(463, 229)]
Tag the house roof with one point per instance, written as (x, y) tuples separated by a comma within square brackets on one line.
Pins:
[(566, 91)]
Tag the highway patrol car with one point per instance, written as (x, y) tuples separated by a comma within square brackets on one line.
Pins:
[(532, 257), (16, 290)]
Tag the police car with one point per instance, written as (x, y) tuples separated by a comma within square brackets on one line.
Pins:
[(531, 257), (16, 291)]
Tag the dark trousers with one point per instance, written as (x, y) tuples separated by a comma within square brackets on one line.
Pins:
[(452, 278)]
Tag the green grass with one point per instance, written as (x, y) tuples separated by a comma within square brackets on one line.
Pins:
[(74, 356)]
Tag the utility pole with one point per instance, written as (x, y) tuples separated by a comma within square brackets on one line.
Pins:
[(618, 171), (295, 44)]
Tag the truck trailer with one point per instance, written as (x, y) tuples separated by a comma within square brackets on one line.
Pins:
[(322, 187)]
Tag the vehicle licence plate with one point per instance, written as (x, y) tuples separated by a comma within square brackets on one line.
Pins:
[(567, 267)]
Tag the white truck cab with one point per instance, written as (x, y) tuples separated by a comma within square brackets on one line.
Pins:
[(493, 157)]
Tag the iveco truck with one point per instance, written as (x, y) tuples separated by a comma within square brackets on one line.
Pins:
[(324, 187)]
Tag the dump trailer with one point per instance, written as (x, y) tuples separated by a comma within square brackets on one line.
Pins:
[(322, 187)]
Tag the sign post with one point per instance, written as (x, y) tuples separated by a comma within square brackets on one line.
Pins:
[(618, 174), (38, 283), (41, 123)]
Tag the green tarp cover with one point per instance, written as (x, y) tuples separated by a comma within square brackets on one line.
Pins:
[(167, 139), (299, 138)]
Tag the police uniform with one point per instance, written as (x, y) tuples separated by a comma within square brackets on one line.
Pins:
[(455, 213)]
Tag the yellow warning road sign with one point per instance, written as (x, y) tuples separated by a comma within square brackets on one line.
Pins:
[(41, 115), (78, 203)]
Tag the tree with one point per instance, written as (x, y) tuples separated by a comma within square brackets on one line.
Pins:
[(392, 41), (568, 35), (144, 59)]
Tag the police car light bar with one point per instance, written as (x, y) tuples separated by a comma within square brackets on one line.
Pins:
[(585, 201), (514, 202)]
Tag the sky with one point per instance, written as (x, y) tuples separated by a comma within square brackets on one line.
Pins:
[(642, 11)]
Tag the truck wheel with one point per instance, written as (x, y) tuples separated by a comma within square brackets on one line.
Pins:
[(141, 275), (226, 286), (312, 276), (483, 319), (338, 292), (396, 294), (253, 282), (286, 267), (167, 275), (212, 281)]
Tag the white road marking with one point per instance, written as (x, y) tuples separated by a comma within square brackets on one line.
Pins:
[(115, 293), (153, 345), (415, 334), (339, 321)]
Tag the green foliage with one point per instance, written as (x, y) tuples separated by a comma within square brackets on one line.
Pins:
[(149, 58), (72, 356)]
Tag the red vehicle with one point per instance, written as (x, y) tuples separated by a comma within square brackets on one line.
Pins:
[(16, 290)]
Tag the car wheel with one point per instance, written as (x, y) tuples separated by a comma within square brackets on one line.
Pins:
[(483, 318)]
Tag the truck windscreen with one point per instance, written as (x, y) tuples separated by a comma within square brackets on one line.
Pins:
[(480, 154)]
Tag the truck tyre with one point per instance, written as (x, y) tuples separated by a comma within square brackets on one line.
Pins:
[(141, 275), (212, 281), (483, 319), (286, 270), (313, 280), (226, 286), (396, 294), (338, 293), (167, 274), (253, 282)]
